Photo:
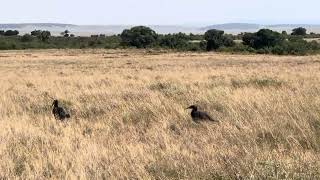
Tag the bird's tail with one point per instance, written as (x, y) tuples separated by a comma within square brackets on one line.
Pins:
[(213, 120), (67, 115)]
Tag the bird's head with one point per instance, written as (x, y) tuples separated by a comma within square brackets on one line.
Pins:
[(193, 107), (55, 103)]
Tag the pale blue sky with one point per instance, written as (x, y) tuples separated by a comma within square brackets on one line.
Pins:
[(147, 12)]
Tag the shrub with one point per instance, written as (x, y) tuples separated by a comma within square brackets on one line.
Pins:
[(203, 45), (300, 31), (44, 36), (266, 41), (3, 45), (284, 33), (279, 50), (36, 33), (26, 38), (228, 41), (216, 38), (314, 45), (174, 41), (238, 48), (193, 47), (264, 38), (139, 36), (11, 33), (92, 43), (249, 39), (295, 46)]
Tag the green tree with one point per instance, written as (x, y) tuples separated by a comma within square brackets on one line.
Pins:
[(300, 31), (139, 36), (44, 36), (11, 33), (263, 38), (26, 38), (216, 38), (36, 33), (65, 33), (249, 39), (228, 41), (284, 33)]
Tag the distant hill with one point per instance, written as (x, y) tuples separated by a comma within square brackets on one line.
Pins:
[(233, 26), (23, 25), (294, 25), (87, 30)]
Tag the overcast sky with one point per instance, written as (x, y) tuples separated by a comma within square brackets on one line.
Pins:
[(160, 12)]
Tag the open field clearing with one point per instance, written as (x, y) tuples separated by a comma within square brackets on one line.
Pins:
[(313, 39), (128, 116)]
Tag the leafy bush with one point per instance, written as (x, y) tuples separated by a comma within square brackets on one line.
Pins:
[(35, 32), (238, 48), (193, 47), (300, 31), (44, 36), (65, 33), (262, 39), (216, 38), (266, 41), (26, 38), (228, 41), (296, 46), (139, 36), (11, 33), (314, 45), (3, 45), (203, 45), (174, 41), (91, 43)]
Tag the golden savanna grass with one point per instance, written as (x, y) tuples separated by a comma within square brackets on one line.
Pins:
[(129, 119)]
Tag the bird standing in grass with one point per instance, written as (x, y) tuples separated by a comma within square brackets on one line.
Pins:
[(58, 112), (199, 115)]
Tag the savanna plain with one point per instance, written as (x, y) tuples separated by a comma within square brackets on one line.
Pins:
[(129, 118)]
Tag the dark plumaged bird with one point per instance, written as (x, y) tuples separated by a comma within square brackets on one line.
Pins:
[(58, 112), (199, 115)]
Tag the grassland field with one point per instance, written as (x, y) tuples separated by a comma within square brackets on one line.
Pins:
[(128, 116)]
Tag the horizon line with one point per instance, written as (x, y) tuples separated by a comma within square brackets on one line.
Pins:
[(144, 24)]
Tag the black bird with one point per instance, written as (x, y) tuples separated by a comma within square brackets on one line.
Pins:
[(199, 115), (58, 112)]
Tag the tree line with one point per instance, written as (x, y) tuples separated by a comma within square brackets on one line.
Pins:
[(264, 41)]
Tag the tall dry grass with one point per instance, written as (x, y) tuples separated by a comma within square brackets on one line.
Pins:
[(129, 119)]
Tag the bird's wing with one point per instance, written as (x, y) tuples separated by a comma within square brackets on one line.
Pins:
[(205, 115), (62, 112), (55, 113)]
